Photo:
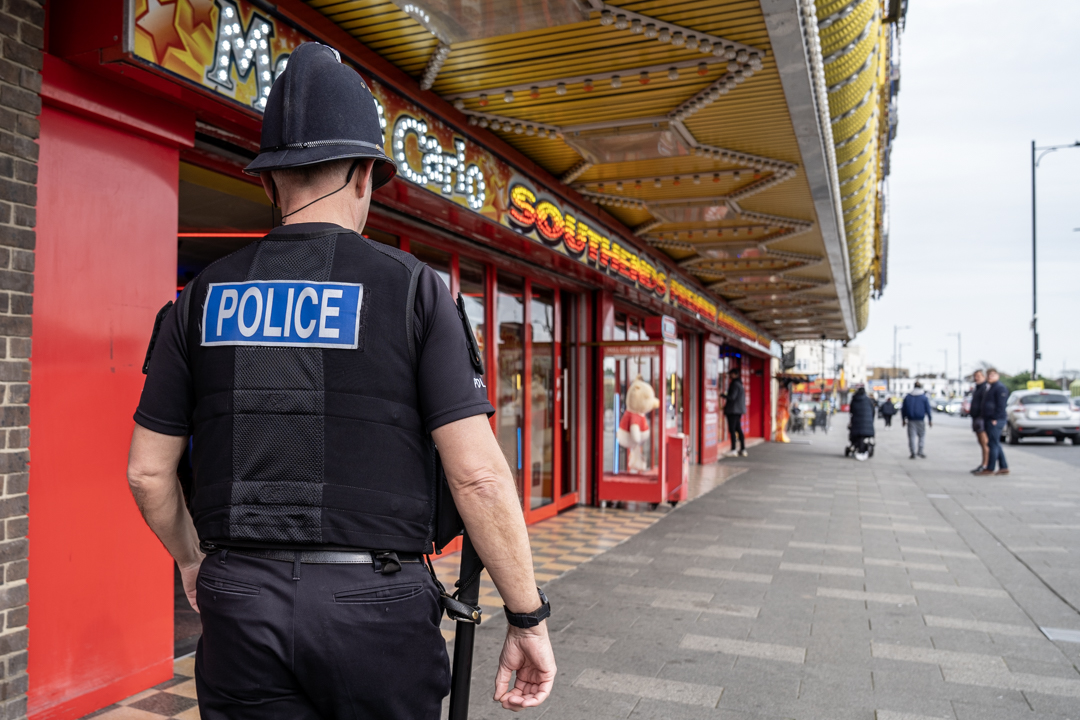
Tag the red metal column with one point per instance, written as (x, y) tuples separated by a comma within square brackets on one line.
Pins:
[(101, 585)]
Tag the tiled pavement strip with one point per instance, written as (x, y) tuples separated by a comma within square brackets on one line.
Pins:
[(932, 591), (559, 544)]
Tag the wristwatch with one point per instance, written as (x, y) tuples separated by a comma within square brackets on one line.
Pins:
[(532, 619)]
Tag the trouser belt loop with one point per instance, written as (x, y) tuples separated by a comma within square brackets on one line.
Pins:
[(296, 566), (386, 563)]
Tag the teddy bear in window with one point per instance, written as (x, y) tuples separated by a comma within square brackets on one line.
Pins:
[(634, 425)]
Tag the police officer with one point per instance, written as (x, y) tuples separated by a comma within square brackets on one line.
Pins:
[(315, 372)]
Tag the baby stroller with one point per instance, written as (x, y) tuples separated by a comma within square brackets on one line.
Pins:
[(859, 447), (861, 429), (797, 423)]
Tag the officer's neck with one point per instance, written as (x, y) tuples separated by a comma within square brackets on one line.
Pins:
[(349, 213)]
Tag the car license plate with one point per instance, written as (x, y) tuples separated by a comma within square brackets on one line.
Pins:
[(1048, 412)]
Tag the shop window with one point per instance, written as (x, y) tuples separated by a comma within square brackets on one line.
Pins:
[(675, 401), (437, 260), (542, 432), (471, 282), (620, 327), (510, 403), (632, 330)]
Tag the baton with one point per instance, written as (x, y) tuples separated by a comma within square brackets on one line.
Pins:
[(469, 594)]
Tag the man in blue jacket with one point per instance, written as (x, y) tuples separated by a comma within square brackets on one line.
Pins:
[(993, 413), (915, 414)]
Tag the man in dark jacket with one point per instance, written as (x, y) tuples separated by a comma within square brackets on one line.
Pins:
[(978, 423), (915, 413), (887, 411), (993, 413), (734, 407), (862, 416)]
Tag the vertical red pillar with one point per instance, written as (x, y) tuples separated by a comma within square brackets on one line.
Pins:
[(100, 582)]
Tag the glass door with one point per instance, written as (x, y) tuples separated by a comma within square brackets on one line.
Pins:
[(542, 430), (510, 401)]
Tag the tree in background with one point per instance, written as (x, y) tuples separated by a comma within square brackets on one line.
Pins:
[(1020, 381)]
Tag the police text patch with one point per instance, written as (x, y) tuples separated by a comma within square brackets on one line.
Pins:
[(288, 313)]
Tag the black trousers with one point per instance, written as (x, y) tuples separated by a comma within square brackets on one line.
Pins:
[(318, 642), (734, 423)]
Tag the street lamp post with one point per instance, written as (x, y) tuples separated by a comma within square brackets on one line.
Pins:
[(895, 330), (959, 366), (900, 352), (946, 374), (1035, 159)]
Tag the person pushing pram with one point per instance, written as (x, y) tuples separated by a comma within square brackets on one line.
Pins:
[(861, 426)]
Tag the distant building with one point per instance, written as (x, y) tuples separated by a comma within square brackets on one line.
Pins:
[(884, 373), (855, 370)]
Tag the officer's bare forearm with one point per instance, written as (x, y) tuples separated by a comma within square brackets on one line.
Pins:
[(155, 486), (485, 495)]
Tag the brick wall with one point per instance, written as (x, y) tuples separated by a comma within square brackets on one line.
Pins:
[(22, 38)]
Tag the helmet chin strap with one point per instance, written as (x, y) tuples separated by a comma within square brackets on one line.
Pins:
[(348, 179)]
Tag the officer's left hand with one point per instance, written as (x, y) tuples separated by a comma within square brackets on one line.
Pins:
[(189, 574), (527, 651)]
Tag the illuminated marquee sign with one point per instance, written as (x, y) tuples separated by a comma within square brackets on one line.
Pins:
[(560, 229), (228, 47)]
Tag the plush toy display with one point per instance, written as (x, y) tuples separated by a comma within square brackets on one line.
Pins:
[(634, 425)]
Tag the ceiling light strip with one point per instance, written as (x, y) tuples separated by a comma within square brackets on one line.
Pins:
[(625, 77), (842, 52), (647, 226), (434, 65), (575, 172), (508, 124), (614, 200), (693, 178), (841, 14), (677, 35)]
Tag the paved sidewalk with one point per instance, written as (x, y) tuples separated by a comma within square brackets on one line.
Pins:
[(817, 587)]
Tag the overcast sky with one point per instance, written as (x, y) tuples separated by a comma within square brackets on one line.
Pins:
[(981, 79)]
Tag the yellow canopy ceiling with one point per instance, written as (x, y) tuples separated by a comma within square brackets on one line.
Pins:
[(675, 117)]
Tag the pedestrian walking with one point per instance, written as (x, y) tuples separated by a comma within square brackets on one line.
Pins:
[(994, 416), (316, 371), (978, 423), (887, 411), (915, 415), (734, 408), (861, 425)]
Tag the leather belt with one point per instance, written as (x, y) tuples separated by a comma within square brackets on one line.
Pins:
[(321, 557)]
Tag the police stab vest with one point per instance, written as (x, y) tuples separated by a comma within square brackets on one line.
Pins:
[(307, 429)]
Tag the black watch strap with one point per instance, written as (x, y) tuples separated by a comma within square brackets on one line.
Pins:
[(532, 619)]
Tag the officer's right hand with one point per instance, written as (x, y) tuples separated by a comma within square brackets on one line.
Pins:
[(526, 651), (189, 574)]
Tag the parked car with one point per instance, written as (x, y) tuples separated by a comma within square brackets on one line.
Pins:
[(955, 407), (1041, 413), (965, 406)]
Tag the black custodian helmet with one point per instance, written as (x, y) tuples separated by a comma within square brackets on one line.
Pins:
[(320, 109)]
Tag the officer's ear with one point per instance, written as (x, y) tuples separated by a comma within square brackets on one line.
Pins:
[(267, 180), (363, 177)]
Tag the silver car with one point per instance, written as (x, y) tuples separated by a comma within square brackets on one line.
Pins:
[(1041, 413)]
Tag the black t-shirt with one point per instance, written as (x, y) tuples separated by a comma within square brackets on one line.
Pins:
[(448, 386)]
